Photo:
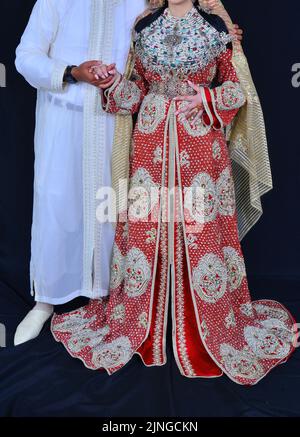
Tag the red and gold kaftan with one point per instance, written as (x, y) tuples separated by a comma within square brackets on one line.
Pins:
[(180, 250)]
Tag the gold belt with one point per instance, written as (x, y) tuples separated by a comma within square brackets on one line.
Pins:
[(171, 89)]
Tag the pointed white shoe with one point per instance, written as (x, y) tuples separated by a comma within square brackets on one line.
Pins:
[(31, 325)]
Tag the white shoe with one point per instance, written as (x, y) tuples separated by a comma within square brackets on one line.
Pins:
[(31, 325)]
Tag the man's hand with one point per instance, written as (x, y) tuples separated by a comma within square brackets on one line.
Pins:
[(83, 73), (105, 74)]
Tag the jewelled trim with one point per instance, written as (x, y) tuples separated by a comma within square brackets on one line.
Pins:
[(182, 346), (160, 310), (152, 113), (107, 93), (229, 96), (235, 268), (127, 95)]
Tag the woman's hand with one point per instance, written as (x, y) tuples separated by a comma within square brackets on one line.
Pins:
[(106, 74), (209, 5), (194, 106), (237, 32)]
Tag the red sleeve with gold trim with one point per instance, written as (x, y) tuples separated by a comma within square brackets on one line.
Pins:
[(221, 104)]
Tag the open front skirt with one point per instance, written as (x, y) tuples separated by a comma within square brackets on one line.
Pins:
[(181, 250)]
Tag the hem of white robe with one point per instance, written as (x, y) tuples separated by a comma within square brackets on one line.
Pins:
[(80, 293)]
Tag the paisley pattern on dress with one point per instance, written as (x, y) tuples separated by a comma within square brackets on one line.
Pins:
[(204, 198), (235, 268), (112, 354), (247, 309), (210, 278), (137, 273), (216, 150), (216, 327), (152, 113), (240, 364), (127, 95), (118, 313), (197, 129), (268, 311), (265, 344), (196, 40), (143, 195)]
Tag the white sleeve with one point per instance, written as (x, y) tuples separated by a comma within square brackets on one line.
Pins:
[(33, 60)]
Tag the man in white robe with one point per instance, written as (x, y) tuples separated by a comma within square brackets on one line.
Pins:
[(71, 250)]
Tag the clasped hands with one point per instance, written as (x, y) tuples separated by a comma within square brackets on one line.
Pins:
[(91, 72), (105, 76)]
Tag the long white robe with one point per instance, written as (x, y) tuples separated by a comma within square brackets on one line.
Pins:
[(71, 250)]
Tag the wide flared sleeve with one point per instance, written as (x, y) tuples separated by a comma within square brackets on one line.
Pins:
[(126, 95), (224, 101), (32, 54)]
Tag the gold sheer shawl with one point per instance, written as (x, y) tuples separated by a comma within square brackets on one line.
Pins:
[(246, 138)]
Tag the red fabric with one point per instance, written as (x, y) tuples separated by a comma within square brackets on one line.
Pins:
[(216, 123)]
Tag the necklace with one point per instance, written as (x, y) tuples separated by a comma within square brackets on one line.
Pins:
[(174, 38)]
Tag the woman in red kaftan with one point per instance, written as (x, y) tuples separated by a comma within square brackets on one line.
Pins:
[(183, 250)]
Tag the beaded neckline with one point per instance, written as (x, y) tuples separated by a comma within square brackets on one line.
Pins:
[(183, 45)]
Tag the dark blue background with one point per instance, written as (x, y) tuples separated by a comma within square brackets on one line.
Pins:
[(39, 378)]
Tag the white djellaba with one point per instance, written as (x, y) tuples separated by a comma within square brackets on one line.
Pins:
[(71, 250)]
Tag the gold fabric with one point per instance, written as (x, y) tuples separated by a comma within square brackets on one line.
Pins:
[(247, 143), (121, 145)]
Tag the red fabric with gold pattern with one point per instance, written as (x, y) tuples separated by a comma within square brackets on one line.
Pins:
[(195, 263)]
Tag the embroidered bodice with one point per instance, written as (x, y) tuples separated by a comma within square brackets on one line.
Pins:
[(179, 46), (170, 52)]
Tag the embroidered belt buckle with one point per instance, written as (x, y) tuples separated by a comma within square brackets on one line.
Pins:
[(171, 88)]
